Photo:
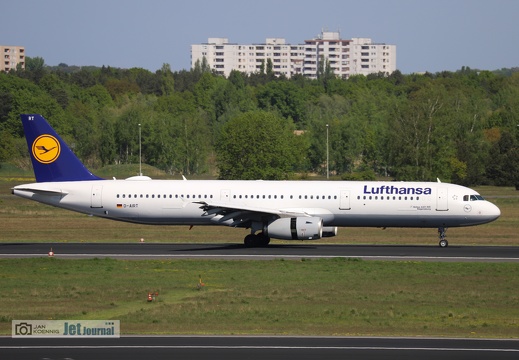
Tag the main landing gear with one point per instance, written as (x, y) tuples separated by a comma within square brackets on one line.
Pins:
[(443, 237), (256, 240)]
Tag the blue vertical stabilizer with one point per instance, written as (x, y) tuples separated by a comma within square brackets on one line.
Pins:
[(51, 157)]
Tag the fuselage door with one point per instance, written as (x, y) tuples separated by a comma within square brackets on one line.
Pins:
[(442, 199), (345, 200), (97, 196)]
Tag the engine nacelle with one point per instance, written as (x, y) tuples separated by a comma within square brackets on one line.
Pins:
[(298, 228), (329, 231)]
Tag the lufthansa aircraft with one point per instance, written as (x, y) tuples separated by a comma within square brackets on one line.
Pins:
[(290, 210)]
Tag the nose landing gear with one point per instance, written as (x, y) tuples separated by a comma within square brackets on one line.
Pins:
[(443, 237)]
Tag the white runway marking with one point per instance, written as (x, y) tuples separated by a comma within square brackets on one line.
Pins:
[(269, 257)]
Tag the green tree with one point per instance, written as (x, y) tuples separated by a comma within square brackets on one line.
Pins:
[(270, 66), (331, 110), (120, 88), (257, 145), (182, 134), (422, 130), (232, 94), (127, 130), (107, 153), (83, 78), (6, 146), (285, 97), (325, 73), (23, 96), (204, 93), (56, 88), (160, 142), (504, 167), (34, 68), (167, 80), (148, 82), (6, 105)]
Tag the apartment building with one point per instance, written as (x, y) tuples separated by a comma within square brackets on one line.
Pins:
[(12, 56), (345, 57)]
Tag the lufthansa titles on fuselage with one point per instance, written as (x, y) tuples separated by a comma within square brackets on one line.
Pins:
[(396, 190)]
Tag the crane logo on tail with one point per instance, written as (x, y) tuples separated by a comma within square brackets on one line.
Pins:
[(46, 149)]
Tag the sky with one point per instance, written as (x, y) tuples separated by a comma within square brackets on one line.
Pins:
[(430, 35)]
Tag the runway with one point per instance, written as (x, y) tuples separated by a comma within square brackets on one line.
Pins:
[(307, 250), (257, 347)]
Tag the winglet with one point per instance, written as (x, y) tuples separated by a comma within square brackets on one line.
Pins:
[(51, 157)]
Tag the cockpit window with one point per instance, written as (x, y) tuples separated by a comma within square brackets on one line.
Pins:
[(472, 197)]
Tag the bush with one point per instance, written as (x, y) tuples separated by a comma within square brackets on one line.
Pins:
[(366, 175)]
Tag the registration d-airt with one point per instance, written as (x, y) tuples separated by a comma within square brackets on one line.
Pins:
[(289, 210)]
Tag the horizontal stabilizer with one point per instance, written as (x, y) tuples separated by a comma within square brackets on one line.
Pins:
[(40, 191)]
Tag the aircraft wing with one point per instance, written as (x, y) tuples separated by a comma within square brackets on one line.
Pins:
[(243, 215)]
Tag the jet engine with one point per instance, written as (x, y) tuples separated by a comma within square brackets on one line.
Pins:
[(298, 228), (329, 231)]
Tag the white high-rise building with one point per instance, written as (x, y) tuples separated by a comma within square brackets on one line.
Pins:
[(344, 57), (11, 57)]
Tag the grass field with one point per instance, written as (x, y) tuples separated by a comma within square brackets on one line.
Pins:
[(317, 297)]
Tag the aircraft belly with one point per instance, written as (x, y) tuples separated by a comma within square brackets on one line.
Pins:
[(174, 216), (378, 220), (403, 220)]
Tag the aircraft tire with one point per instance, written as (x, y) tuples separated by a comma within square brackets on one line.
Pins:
[(263, 240), (444, 243), (250, 240), (258, 240)]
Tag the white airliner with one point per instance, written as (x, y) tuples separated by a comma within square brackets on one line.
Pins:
[(289, 210)]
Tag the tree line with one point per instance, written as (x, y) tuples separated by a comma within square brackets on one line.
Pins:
[(458, 126)]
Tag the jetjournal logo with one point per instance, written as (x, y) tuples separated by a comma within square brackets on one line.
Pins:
[(66, 328)]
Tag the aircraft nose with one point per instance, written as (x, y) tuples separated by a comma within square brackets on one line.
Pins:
[(493, 212)]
